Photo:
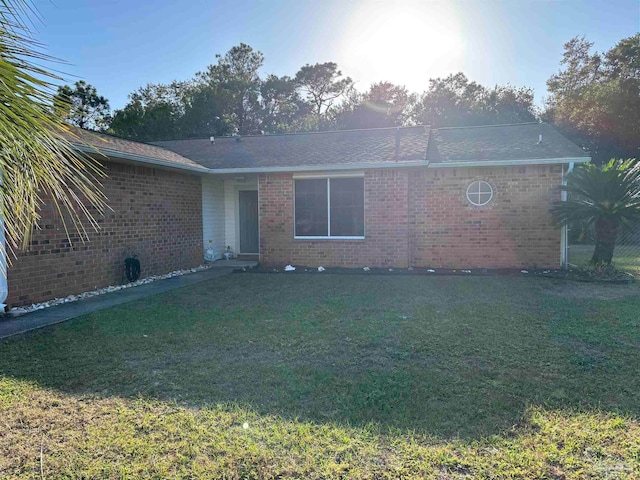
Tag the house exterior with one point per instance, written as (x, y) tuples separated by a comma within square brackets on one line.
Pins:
[(470, 197), (155, 212)]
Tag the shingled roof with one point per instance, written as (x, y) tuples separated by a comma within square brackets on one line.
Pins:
[(380, 147), (111, 146), (321, 149), (515, 142)]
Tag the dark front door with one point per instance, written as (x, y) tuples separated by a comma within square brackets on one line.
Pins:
[(249, 221)]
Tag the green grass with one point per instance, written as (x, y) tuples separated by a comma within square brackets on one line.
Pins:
[(625, 258), (349, 376)]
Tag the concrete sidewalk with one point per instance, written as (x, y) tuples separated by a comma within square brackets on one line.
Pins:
[(10, 326)]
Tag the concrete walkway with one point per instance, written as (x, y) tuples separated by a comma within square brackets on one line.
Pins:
[(10, 326)]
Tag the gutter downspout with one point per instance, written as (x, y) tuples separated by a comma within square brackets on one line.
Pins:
[(564, 238)]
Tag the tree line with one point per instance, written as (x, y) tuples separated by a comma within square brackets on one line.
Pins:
[(594, 100)]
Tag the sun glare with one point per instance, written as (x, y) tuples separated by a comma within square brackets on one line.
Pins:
[(403, 42)]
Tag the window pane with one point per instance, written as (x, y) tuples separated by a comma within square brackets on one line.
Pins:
[(311, 208), (347, 207), (485, 187), (484, 198)]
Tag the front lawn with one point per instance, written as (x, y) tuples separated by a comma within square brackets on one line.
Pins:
[(332, 376)]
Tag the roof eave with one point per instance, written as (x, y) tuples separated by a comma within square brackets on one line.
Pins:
[(506, 163), (140, 159), (317, 168)]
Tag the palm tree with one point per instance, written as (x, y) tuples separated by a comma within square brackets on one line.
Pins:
[(36, 161), (607, 198)]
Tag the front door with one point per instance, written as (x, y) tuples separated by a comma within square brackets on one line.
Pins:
[(248, 203)]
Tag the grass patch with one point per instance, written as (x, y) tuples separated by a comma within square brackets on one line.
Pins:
[(336, 376)]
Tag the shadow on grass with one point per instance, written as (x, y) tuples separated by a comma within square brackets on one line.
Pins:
[(447, 356)]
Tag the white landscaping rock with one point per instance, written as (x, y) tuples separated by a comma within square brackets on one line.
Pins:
[(289, 268), (431, 270), (366, 269), (16, 311), (321, 269), (524, 271)]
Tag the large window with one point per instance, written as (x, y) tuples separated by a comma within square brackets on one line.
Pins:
[(329, 207)]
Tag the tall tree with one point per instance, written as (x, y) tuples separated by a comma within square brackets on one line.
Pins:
[(83, 107), (383, 105), (35, 159), (168, 111), (223, 99), (322, 84), (204, 111), (237, 76), (456, 101), (152, 113), (595, 98), (281, 104), (506, 104)]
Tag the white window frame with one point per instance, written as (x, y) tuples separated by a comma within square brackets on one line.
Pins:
[(327, 178), (479, 192)]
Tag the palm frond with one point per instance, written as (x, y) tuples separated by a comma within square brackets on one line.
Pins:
[(609, 193), (36, 160)]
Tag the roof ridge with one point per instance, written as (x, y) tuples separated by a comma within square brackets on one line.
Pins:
[(92, 139), (491, 125), (149, 144), (106, 134), (139, 142), (427, 128), (118, 137)]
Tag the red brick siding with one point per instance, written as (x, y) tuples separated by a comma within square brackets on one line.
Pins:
[(155, 213), (386, 225), (421, 217), (513, 230)]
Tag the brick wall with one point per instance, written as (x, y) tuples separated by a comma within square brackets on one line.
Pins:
[(386, 225), (155, 213), (421, 217), (513, 230)]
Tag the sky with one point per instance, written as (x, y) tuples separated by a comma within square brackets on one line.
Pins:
[(121, 45)]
